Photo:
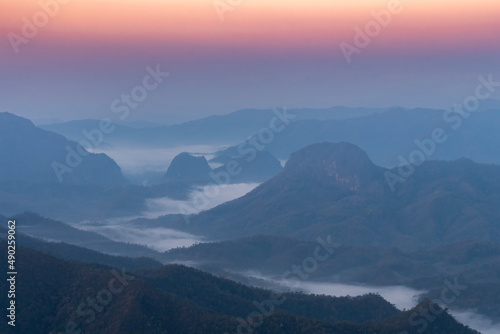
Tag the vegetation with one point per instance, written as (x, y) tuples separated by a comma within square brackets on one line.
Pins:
[(176, 299)]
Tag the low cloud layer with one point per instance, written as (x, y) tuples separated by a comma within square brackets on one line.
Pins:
[(200, 200), (157, 238), (477, 321), (134, 161), (401, 296)]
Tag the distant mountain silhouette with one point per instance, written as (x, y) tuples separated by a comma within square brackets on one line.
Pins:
[(188, 168), (226, 129), (334, 189), (385, 136), (193, 170), (29, 153), (384, 133), (83, 202), (490, 104)]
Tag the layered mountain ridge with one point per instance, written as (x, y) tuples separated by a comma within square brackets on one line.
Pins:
[(32, 154), (334, 189)]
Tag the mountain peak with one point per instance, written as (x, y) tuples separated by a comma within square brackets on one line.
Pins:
[(188, 168), (9, 120), (334, 163), (42, 155)]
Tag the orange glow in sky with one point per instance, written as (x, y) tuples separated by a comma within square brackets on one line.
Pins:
[(261, 22)]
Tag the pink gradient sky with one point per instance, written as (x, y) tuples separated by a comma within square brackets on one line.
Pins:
[(284, 53)]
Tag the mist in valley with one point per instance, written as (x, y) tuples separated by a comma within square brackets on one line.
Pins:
[(141, 163), (157, 238), (160, 238), (477, 321), (145, 165), (201, 199), (403, 297)]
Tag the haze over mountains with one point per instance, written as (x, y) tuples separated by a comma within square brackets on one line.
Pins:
[(384, 134), (196, 170), (334, 189), (38, 155), (217, 130), (416, 225), (175, 298), (474, 265), (387, 136), (250, 167)]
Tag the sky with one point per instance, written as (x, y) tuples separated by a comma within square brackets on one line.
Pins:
[(224, 55)]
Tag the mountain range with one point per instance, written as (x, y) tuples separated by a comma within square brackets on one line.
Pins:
[(474, 264), (213, 130), (385, 134), (195, 170), (32, 154), (419, 224), (391, 136), (334, 189), (60, 296)]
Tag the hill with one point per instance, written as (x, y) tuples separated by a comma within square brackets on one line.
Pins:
[(74, 203), (334, 189), (71, 252), (388, 135), (47, 229), (57, 294), (188, 168), (194, 170), (38, 155), (475, 263), (213, 130)]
